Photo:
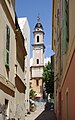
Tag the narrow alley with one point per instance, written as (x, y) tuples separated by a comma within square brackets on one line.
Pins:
[(40, 113), (37, 59)]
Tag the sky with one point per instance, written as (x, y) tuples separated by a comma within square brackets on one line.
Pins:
[(31, 9)]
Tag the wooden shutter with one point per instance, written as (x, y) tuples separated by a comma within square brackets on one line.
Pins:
[(7, 45), (65, 27)]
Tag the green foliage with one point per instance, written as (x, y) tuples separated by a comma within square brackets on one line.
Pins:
[(48, 79), (32, 94)]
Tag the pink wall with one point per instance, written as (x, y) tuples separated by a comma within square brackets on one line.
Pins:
[(69, 85)]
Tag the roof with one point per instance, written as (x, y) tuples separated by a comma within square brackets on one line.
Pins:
[(38, 24)]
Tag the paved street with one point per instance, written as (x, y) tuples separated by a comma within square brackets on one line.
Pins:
[(46, 115), (39, 110), (40, 114)]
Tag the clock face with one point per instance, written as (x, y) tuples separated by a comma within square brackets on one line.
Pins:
[(38, 25)]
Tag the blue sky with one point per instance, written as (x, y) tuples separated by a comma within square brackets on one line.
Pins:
[(31, 9)]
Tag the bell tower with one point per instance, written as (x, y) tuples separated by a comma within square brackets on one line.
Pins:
[(38, 59)]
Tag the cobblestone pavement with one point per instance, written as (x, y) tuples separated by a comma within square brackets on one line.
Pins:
[(39, 110)]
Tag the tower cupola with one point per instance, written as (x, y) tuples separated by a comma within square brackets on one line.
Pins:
[(38, 26)]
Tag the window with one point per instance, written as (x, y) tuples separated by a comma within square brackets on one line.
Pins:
[(65, 26), (37, 82), (37, 38), (37, 61), (7, 44), (7, 108), (30, 86)]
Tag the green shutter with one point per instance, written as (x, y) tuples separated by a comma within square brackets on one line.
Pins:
[(65, 35), (7, 44), (7, 38), (7, 57)]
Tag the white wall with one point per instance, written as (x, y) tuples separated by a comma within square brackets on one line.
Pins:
[(24, 25)]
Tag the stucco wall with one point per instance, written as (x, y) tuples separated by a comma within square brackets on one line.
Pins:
[(69, 86), (11, 101), (25, 28), (38, 54), (3, 23), (36, 88), (71, 21), (7, 83), (37, 72)]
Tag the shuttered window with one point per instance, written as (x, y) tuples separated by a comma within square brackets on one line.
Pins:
[(65, 26), (7, 45)]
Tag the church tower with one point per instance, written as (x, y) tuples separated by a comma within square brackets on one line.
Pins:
[(38, 59)]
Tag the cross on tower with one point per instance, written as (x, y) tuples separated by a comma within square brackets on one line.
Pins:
[(38, 18)]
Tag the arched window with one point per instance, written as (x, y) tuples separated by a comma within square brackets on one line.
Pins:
[(37, 38), (37, 61)]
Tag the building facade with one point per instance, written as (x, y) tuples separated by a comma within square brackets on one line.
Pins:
[(7, 59), (38, 59), (63, 43), (12, 65), (24, 25), (20, 86)]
